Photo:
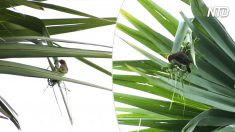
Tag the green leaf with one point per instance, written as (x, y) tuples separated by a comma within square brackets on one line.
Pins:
[(13, 68), (229, 128), (136, 111), (97, 67), (142, 116), (214, 28), (11, 30), (148, 65), (58, 26), (210, 85), (167, 125), (49, 22), (213, 117), (151, 130), (142, 84), (26, 21), (198, 7), (186, 2), (161, 15), (144, 40), (27, 50), (27, 3), (162, 125), (211, 53), (196, 94), (192, 51), (158, 106), (54, 30), (179, 37), (148, 55), (40, 40), (8, 111), (62, 9), (12, 3), (161, 42)]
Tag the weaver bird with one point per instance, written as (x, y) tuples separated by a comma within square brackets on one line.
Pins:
[(181, 58), (63, 67)]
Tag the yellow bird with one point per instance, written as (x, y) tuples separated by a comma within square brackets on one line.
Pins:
[(63, 67)]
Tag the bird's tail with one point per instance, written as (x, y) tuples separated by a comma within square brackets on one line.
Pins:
[(188, 69)]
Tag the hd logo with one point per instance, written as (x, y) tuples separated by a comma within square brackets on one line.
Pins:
[(218, 11)]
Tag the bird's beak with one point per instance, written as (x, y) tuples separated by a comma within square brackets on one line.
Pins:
[(167, 56)]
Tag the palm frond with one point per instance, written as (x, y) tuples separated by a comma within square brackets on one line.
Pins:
[(27, 36), (196, 101)]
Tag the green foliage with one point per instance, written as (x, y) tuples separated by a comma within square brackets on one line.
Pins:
[(198, 101), (27, 36)]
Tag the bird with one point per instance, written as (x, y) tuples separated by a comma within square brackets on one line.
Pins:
[(181, 58), (63, 67)]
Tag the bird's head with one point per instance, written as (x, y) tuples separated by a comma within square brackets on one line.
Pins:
[(170, 57), (62, 62)]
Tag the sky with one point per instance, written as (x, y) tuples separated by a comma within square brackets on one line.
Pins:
[(128, 53), (92, 109)]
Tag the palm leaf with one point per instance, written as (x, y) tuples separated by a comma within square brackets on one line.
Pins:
[(189, 97), (26, 36), (9, 112), (26, 50)]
